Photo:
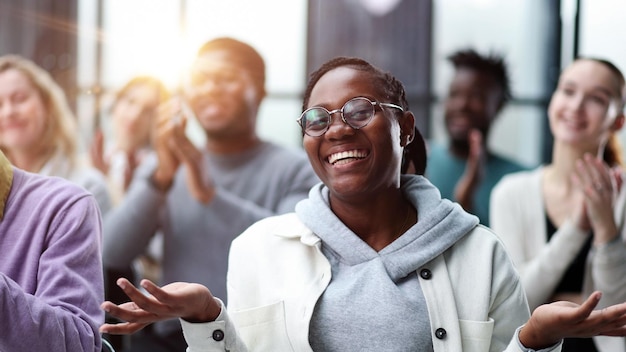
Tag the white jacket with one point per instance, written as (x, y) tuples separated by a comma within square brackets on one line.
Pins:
[(277, 272), (518, 216)]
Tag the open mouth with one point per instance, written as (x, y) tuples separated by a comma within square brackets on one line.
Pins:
[(573, 123), (346, 157)]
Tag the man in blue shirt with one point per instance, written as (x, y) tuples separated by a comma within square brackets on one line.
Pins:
[(465, 170)]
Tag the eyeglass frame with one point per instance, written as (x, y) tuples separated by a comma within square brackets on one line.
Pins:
[(330, 113), (214, 74)]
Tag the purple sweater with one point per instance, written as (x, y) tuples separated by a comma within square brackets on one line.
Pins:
[(51, 283)]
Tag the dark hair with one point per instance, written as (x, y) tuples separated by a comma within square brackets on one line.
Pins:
[(390, 87), (243, 55), (415, 152), (613, 154), (492, 65)]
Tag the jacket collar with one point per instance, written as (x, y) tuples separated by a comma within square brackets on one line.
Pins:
[(294, 228), (6, 179)]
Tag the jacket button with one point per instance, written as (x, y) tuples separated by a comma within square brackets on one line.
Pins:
[(426, 274), (441, 333), (218, 335)]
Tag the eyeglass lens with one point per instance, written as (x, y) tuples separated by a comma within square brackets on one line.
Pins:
[(356, 113)]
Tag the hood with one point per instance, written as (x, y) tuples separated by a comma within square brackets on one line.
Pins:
[(441, 223)]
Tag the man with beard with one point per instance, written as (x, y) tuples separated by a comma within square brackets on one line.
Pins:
[(466, 170), (201, 199)]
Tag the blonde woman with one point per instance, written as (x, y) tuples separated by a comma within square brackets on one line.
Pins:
[(131, 118), (38, 131)]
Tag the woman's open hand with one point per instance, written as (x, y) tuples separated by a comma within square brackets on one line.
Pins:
[(192, 302), (552, 322)]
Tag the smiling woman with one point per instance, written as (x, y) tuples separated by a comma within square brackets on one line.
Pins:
[(563, 222), (38, 129), (372, 260)]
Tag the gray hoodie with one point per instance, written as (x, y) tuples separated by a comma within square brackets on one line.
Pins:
[(380, 290)]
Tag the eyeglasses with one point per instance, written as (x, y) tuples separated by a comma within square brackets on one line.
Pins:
[(356, 113), (205, 73)]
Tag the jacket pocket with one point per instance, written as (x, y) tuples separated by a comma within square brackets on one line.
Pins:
[(476, 335), (263, 328)]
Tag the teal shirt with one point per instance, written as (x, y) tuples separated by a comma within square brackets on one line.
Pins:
[(444, 171)]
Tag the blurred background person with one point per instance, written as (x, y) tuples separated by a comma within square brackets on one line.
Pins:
[(131, 118), (200, 199), (123, 142), (465, 170), (562, 223), (51, 263), (38, 131)]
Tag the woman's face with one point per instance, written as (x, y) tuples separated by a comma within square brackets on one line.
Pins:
[(133, 115), (354, 163), (23, 115), (583, 108)]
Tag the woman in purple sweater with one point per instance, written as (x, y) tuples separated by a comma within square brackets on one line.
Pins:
[(51, 281)]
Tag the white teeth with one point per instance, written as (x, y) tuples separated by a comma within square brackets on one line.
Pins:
[(573, 123), (350, 154)]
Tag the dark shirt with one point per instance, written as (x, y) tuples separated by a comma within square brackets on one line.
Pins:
[(445, 170), (572, 281)]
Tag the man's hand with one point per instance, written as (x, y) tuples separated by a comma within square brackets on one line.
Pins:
[(474, 172), (198, 181)]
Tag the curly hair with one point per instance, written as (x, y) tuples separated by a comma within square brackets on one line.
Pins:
[(391, 88), (492, 65)]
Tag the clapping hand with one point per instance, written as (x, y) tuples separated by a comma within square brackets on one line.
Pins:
[(599, 185), (474, 171), (174, 148)]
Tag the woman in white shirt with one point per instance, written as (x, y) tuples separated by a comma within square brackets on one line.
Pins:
[(562, 223), (372, 261)]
